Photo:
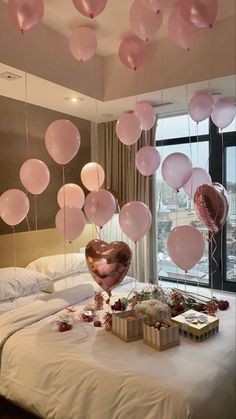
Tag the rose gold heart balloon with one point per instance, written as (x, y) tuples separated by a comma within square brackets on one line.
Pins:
[(211, 204), (108, 263)]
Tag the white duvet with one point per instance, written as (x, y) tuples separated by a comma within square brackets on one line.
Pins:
[(88, 373)]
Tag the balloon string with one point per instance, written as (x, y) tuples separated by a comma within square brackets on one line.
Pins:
[(213, 251), (28, 224), (35, 213), (197, 145), (64, 221), (14, 247), (221, 233), (135, 265), (26, 106), (98, 231), (176, 225)]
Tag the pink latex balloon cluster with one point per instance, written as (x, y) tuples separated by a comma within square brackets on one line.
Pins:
[(26, 14), (202, 106)]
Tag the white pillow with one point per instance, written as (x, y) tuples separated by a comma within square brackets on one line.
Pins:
[(17, 282), (58, 265)]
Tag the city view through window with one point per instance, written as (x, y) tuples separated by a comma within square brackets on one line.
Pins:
[(175, 209)]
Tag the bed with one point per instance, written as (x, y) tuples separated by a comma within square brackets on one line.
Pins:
[(89, 373)]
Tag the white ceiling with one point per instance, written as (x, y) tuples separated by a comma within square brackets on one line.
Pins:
[(111, 25), (52, 96)]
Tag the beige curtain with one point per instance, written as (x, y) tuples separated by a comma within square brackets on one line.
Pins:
[(122, 177)]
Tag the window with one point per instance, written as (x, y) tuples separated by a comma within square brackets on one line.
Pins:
[(213, 151), (231, 223)]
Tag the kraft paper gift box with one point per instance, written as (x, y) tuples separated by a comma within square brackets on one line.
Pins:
[(200, 331), (161, 339), (127, 325)]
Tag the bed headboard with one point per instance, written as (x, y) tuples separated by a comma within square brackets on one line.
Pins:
[(31, 245)]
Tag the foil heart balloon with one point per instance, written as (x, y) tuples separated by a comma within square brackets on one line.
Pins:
[(108, 263), (212, 206)]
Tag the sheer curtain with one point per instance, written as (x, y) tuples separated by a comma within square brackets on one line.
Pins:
[(128, 184)]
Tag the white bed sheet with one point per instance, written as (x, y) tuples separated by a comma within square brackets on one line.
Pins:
[(13, 303), (89, 373)]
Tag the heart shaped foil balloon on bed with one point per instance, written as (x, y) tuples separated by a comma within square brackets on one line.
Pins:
[(108, 263)]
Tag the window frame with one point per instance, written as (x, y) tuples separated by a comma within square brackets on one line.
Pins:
[(217, 147)]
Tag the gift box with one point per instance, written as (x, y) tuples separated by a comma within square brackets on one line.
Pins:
[(192, 325), (127, 325), (161, 337)]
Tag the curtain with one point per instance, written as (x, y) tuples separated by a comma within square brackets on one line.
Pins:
[(127, 184)]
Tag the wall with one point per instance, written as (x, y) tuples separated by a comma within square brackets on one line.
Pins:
[(13, 152)]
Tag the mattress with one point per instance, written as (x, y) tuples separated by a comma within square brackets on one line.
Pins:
[(89, 373)]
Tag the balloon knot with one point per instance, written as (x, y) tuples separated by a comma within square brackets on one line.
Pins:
[(135, 68), (91, 15), (177, 190), (22, 31), (158, 12), (188, 49), (146, 40), (211, 26)]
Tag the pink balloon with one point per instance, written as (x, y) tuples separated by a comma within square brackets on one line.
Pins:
[(201, 105), (26, 13), (90, 8), (131, 52), (128, 128), (83, 43), (34, 176), (70, 195), (147, 160), (157, 5), (176, 170), (62, 141), (185, 245), (14, 206), (201, 13), (99, 207), (223, 113), (143, 22), (199, 177), (135, 220), (92, 176), (146, 114), (70, 222), (181, 32)]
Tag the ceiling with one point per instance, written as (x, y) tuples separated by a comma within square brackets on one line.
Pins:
[(111, 25), (50, 95)]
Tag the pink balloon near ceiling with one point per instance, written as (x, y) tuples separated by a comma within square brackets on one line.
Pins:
[(70, 222), (92, 176), (147, 160), (199, 177), (128, 128), (201, 105), (34, 176), (144, 23), (26, 14), (201, 13), (157, 5), (99, 207), (146, 115), (185, 245), (71, 195), (223, 113), (90, 8), (182, 33), (176, 170), (135, 220), (131, 52), (62, 141), (14, 206), (83, 43)]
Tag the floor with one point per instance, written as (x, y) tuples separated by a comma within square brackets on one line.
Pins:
[(10, 411)]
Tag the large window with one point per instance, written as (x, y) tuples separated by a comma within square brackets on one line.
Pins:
[(207, 149)]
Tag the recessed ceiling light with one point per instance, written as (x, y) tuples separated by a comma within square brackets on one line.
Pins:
[(107, 115), (7, 75), (74, 99)]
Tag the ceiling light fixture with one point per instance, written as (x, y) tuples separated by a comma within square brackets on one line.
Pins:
[(74, 99)]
